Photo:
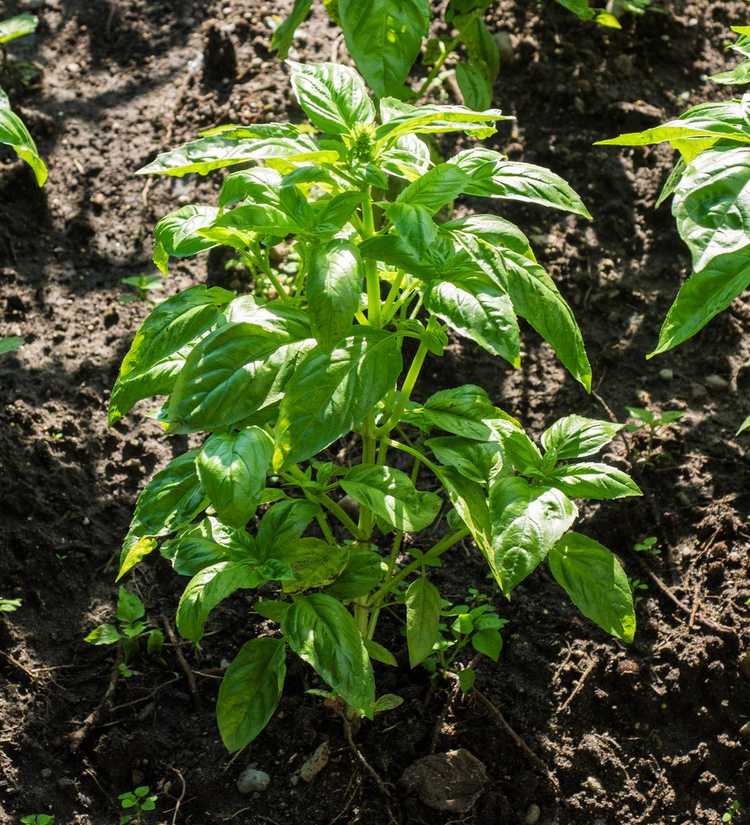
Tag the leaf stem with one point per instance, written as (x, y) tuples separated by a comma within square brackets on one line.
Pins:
[(371, 268), (428, 81), (405, 392)]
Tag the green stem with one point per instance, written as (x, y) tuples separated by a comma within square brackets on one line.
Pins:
[(371, 268), (393, 293), (338, 511), (325, 527), (405, 392), (428, 81), (415, 454), (269, 273)]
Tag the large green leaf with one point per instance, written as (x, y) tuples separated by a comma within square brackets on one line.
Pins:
[(384, 37), (477, 460), (330, 392), (259, 185), (475, 84), (313, 562), (283, 523), (596, 583), (363, 573), (18, 26), (238, 369), (14, 133), (334, 97), (232, 468), (207, 543), (250, 691), (407, 158), (283, 34), (391, 495), (495, 230), (176, 235), (469, 499), (436, 188), (576, 437), (334, 290), (527, 521), (162, 344), (491, 175), (321, 631), (209, 588), (593, 480), (422, 619), (474, 307)]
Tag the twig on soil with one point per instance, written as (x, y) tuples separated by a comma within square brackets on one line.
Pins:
[(365, 764), (182, 661), (505, 725), (77, 737), (706, 622), (182, 793), (30, 673), (695, 603), (579, 684), (148, 697)]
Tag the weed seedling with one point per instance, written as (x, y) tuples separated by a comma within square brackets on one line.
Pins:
[(648, 547), (143, 285), (9, 605), (10, 343), (652, 421), (37, 819), (138, 803), (732, 811)]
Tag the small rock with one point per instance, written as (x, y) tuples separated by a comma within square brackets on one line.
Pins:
[(697, 391), (533, 815), (98, 199), (745, 665), (315, 763), (666, 375), (253, 781), (716, 382), (451, 781)]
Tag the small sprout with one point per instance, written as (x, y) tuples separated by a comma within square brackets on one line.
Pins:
[(648, 547), (37, 819), (653, 420), (11, 343), (732, 811), (137, 802), (143, 285), (9, 605)]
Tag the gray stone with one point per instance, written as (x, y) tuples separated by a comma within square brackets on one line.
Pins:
[(253, 781), (533, 815), (451, 781)]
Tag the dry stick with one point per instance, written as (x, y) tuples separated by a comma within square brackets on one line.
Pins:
[(579, 684), (709, 623), (147, 697), (30, 673), (365, 764), (182, 794), (77, 737), (505, 725), (182, 661), (695, 604)]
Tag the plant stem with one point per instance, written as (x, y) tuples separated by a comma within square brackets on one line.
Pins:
[(337, 510), (268, 272), (371, 269), (428, 81), (415, 454), (393, 293), (406, 390)]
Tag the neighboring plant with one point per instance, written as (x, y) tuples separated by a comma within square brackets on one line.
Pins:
[(143, 285), (9, 605), (648, 547), (11, 343), (652, 421), (384, 38), (13, 133), (607, 16), (37, 819), (709, 185), (306, 408), (131, 628), (138, 803), (732, 811)]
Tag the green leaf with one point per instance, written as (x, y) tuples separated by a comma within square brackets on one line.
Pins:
[(11, 343), (407, 158), (268, 221), (334, 97), (250, 691), (526, 522), (18, 26), (491, 175), (593, 480), (380, 653), (495, 230), (402, 118), (209, 153), (477, 460), (313, 562), (239, 369), (209, 588), (489, 642), (323, 633), (388, 701), (470, 502), (176, 235), (129, 607), (436, 188), (384, 38), (334, 290), (259, 185), (392, 496), (206, 543), (105, 634), (232, 468), (330, 392), (133, 553), (475, 308), (466, 679), (272, 609), (744, 426), (422, 619), (475, 84), (362, 574), (283, 34), (576, 437), (283, 523), (162, 343), (596, 583), (14, 133)]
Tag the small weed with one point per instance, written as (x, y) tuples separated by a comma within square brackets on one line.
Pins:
[(648, 547), (139, 801), (143, 285)]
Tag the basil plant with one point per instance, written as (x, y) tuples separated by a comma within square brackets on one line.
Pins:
[(709, 187), (316, 463)]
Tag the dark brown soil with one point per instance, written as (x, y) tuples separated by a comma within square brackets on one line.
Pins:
[(649, 734)]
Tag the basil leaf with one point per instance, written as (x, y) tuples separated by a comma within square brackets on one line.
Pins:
[(526, 522), (362, 574), (476, 460), (334, 290), (491, 175), (313, 562), (392, 496), (596, 583), (207, 543), (407, 158), (475, 84), (259, 185), (330, 392), (422, 619), (209, 588), (495, 230), (576, 437), (321, 631), (401, 118), (18, 26), (436, 188), (594, 481), (282, 523), (232, 468), (250, 691), (176, 235), (334, 97), (384, 38), (469, 499), (162, 343), (14, 133), (129, 607), (488, 642)]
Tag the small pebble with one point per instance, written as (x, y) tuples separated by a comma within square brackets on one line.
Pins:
[(253, 781), (533, 815), (315, 763), (716, 382), (666, 375)]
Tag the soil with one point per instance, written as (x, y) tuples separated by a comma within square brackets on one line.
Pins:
[(648, 734)]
